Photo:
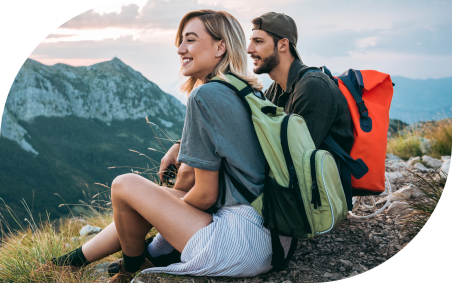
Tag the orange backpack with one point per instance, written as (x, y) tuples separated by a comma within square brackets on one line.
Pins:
[(369, 94)]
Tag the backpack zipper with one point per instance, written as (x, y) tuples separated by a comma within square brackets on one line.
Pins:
[(293, 179), (314, 188)]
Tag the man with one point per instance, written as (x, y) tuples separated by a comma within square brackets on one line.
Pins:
[(313, 96)]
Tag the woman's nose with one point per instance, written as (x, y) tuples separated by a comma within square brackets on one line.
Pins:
[(182, 49)]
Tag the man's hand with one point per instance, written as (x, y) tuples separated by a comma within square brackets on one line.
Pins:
[(169, 158)]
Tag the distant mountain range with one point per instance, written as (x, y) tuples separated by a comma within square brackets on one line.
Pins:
[(63, 126), (415, 100)]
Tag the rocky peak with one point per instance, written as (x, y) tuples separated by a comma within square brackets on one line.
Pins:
[(106, 91)]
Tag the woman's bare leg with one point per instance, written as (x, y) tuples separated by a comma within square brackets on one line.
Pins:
[(107, 241), (138, 202)]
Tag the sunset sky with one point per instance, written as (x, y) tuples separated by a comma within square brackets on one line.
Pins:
[(403, 38)]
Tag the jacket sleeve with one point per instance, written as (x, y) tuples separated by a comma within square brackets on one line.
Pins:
[(314, 101)]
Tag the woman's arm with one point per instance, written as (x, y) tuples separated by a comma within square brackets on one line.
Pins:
[(205, 192)]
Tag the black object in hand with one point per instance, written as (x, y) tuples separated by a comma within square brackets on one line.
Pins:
[(169, 175)]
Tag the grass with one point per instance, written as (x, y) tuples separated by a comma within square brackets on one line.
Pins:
[(25, 249), (406, 143), (423, 207)]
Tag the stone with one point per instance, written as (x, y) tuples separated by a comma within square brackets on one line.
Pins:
[(345, 262), (360, 267), (342, 268), (394, 175), (445, 168), (354, 273), (338, 240), (445, 158), (89, 230), (431, 162), (413, 160), (292, 265), (426, 145), (390, 156), (397, 165), (398, 208), (334, 276), (74, 239), (412, 190), (421, 167), (67, 246)]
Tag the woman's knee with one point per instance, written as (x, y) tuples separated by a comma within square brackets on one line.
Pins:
[(122, 184)]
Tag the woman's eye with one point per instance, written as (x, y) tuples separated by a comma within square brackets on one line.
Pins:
[(190, 40)]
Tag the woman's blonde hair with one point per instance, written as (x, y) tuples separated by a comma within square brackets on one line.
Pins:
[(221, 25)]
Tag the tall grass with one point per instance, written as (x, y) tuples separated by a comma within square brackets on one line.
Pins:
[(424, 206), (442, 133), (24, 250), (406, 143)]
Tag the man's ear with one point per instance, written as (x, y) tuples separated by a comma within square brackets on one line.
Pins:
[(221, 48), (283, 45)]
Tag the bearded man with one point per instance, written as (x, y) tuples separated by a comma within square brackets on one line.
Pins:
[(312, 95)]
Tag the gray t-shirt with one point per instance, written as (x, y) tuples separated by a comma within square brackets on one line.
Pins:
[(218, 127)]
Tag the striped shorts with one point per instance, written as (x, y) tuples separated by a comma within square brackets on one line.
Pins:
[(235, 244)]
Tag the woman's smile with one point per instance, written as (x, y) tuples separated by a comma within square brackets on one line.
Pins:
[(186, 61)]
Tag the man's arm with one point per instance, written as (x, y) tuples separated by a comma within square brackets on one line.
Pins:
[(314, 101)]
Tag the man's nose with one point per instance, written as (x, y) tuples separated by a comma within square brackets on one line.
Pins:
[(250, 49)]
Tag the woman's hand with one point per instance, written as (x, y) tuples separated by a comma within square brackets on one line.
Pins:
[(169, 158)]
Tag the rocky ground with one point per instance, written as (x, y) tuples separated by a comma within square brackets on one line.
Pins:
[(358, 244)]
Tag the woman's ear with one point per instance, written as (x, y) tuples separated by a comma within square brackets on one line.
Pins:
[(221, 48)]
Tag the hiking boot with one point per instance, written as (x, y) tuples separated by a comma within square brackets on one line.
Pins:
[(163, 260), (123, 276)]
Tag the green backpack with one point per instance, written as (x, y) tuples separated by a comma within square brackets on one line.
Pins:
[(303, 195)]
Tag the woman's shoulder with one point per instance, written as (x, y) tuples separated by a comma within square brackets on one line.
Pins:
[(211, 92)]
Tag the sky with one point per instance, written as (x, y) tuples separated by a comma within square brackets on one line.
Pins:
[(402, 38)]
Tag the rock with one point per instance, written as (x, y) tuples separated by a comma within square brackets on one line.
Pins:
[(67, 246), (445, 168), (397, 165), (411, 190), (413, 160), (354, 273), (334, 276), (398, 208), (342, 268), (292, 265), (89, 230), (445, 158), (345, 262), (390, 156), (360, 267), (426, 145), (431, 162), (74, 239), (338, 240), (394, 175), (421, 167)]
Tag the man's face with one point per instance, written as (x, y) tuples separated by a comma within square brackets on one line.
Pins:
[(264, 52)]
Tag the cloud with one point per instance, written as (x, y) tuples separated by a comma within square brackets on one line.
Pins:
[(154, 14), (366, 42), (53, 35)]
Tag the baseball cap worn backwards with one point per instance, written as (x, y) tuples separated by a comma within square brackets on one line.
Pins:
[(280, 25)]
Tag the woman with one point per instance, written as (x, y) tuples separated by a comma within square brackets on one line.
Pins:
[(218, 132)]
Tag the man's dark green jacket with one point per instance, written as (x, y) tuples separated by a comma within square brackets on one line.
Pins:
[(319, 101)]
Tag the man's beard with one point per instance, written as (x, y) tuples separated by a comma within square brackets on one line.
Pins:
[(268, 64)]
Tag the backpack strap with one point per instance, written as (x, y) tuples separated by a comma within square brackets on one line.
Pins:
[(348, 167), (353, 80)]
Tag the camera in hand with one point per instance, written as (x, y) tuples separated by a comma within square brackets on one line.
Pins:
[(169, 175)]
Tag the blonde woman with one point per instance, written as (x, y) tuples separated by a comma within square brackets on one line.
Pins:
[(218, 132)]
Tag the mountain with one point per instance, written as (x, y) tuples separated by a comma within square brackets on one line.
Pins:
[(63, 126), (414, 99)]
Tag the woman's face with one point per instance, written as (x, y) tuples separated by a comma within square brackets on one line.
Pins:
[(199, 52)]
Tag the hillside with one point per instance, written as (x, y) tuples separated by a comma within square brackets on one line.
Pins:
[(63, 127)]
